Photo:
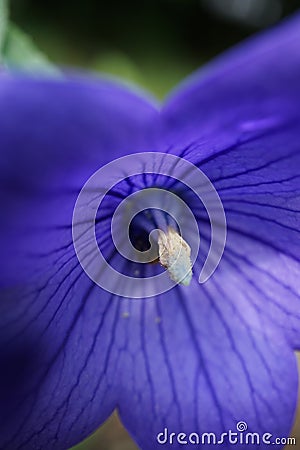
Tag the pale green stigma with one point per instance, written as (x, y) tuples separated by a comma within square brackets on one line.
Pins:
[(175, 256)]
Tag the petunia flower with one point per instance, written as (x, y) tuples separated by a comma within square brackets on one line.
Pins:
[(200, 357)]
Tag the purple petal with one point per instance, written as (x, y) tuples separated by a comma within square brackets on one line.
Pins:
[(249, 91), (54, 135), (240, 124), (58, 362), (193, 365)]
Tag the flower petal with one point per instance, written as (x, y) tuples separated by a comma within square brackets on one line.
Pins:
[(193, 366), (54, 135), (261, 198), (248, 91), (241, 122), (56, 326)]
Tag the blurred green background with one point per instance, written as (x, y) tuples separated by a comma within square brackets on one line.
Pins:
[(154, 44)]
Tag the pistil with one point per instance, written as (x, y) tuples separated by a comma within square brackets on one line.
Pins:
[(175, 256)]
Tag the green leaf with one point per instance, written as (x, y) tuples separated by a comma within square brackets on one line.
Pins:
[(21, 53), (3, 24)]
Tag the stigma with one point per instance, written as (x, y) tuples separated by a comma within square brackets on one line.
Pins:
[(175, 256)]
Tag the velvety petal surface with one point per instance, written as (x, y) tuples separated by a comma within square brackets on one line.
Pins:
[(250, 89), (240, 122), (193, 365), (56, 380), (220, 353)]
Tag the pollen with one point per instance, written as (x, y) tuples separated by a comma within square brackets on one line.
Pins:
[(175, 256)]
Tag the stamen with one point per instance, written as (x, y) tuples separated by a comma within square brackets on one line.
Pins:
[(175, 256)]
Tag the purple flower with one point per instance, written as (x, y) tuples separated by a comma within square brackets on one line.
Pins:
[(198, 358)]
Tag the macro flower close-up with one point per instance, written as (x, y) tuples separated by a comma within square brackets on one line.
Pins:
[(150, 253)]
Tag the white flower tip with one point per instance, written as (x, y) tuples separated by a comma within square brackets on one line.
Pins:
[(175, 256)]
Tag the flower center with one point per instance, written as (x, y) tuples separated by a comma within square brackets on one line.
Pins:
[(152, 228), (148, 227)]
